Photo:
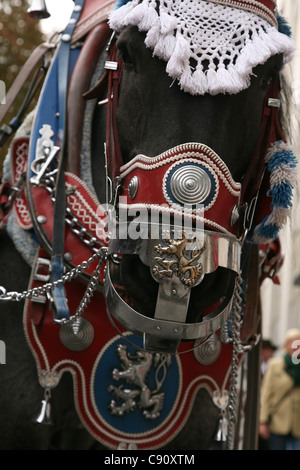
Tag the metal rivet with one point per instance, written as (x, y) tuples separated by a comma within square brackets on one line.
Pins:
[(66, 37), (132, 446), (68, 256), (133, 187), (234, 215), (41, 219), (122, 446), (77, 8)]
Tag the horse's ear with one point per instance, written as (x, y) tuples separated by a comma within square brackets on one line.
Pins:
[(98, 90)]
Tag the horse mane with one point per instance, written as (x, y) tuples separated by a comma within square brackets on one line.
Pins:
[(289, 118)]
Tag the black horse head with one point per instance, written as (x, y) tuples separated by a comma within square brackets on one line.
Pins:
[(158, 121)]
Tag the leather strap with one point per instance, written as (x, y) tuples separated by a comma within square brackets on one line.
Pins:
[(40, 275), (5, 205), (79, 83), (94, 13), (251, 316), (114, 156), (110, 81), (269, 133), (59, 302), (271, 261), (36, 57)]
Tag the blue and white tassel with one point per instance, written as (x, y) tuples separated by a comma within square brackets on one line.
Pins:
[(281, 164)]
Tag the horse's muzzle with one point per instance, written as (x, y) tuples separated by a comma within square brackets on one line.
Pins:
[(178, 261), (185, 229)]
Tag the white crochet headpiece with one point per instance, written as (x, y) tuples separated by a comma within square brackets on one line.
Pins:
[(209, 47)]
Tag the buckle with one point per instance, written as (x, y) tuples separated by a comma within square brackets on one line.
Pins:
[(42, 270), (274, 103), (39, 299)]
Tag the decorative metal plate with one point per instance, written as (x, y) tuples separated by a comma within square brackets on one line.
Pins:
[(191, 183)]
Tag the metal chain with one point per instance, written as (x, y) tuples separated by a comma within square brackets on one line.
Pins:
[(236, 344), (71, 220), (80, 231), (47, 288), (48, 180), (92, 285)]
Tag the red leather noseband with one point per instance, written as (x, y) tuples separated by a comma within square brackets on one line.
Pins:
[(189, 180)]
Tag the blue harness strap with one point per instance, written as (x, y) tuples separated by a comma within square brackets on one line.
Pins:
[(52, 114), (59, 300)]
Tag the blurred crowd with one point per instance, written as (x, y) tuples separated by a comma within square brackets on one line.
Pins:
[(279, 427)]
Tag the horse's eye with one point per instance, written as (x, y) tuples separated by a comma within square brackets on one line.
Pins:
[(267, 78), (124, 53), (265, 81), (264, 74)]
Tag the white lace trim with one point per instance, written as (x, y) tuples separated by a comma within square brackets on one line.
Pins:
[(208, 47)]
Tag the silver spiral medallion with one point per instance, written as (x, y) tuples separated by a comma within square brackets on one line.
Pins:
[(208, 351), (77, 335), (190, 184)]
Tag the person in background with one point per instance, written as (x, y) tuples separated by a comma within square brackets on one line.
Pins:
[(267, 351), (280, 397)]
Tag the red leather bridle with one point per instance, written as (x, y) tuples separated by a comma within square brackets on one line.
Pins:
[(248, 206), (252, 205)]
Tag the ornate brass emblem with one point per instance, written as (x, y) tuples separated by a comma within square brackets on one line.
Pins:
[(177, 259), (135, 370)]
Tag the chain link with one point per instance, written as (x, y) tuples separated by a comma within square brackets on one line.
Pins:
[(237, 349), (47, 288), (79, 230), (71, 220), (48, 180), (92, 285)]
